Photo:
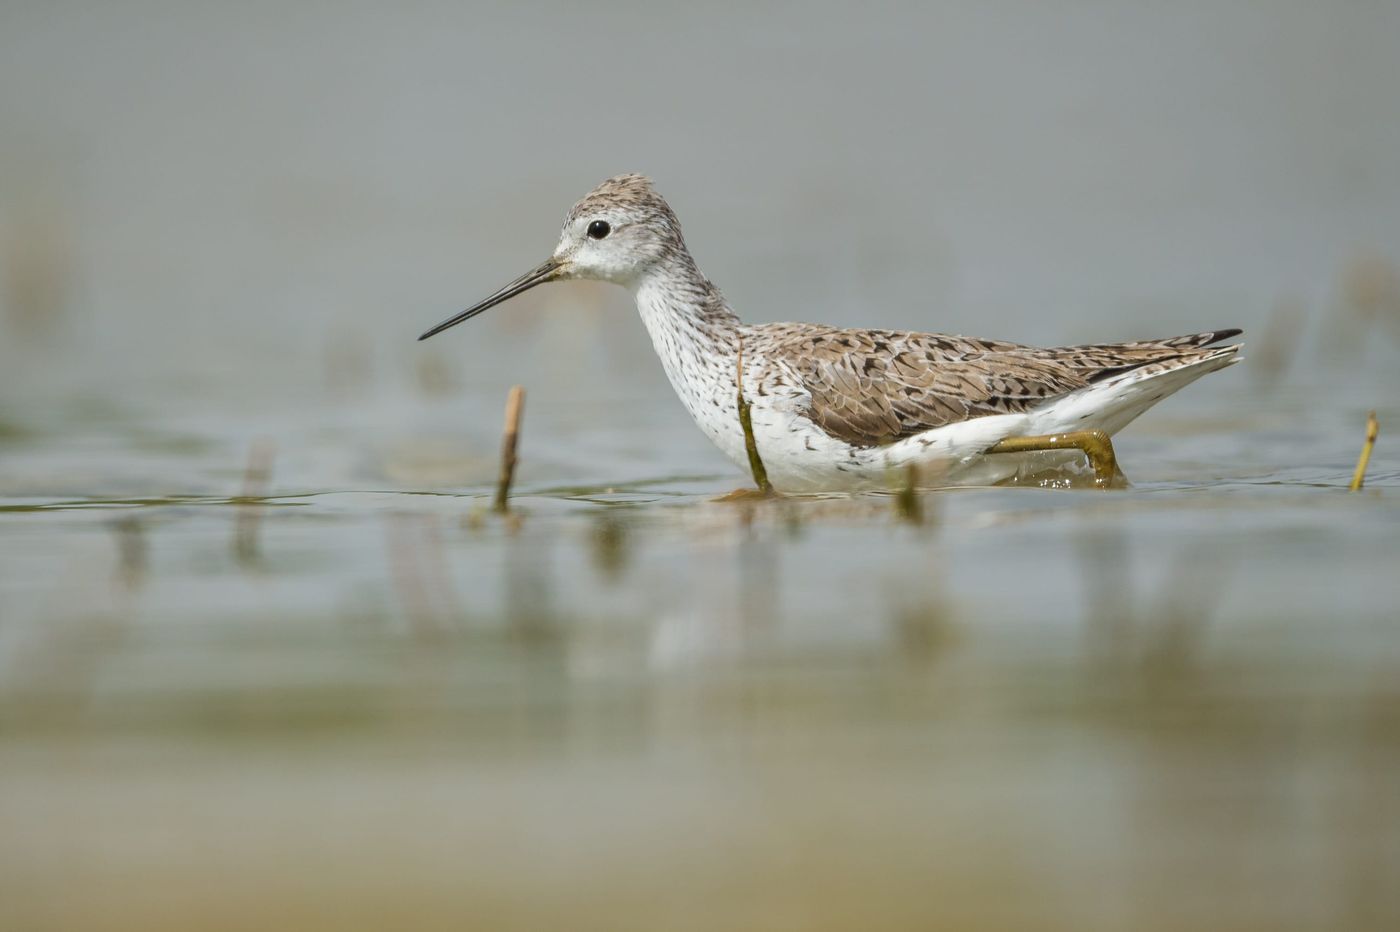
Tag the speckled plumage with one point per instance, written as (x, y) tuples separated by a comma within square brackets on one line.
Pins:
[(873, 387), (840, 408)]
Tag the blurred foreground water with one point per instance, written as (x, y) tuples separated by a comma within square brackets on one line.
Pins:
[(627, 706)]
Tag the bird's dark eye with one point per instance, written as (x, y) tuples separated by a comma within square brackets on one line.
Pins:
[(599, 229)]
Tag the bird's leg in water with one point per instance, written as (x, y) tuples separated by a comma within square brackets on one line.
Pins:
[(1095, 445), (760, 474)]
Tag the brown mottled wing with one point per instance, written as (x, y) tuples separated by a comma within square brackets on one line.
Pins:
[(873, 387)]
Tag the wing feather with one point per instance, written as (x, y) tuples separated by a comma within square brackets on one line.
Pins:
[(875, 387)]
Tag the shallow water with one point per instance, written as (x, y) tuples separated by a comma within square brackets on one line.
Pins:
[(338, 690), (630, 700)]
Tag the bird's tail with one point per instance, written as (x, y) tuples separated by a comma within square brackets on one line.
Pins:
[(1118, 394)]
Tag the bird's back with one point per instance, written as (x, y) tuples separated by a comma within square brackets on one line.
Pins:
[(876, 387)]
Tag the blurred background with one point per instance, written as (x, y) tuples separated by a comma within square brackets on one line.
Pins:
[(266, 657)]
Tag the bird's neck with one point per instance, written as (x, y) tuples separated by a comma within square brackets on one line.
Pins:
[(674, 298), (685, 314), (697, 337)]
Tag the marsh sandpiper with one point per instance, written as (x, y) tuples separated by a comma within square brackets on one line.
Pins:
[(843, 409)]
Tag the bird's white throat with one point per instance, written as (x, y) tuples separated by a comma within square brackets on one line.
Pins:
[(697, 338)]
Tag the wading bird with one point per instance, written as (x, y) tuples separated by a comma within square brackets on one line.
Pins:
[(814, 408)]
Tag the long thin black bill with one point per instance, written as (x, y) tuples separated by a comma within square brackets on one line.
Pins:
[(538, 276)]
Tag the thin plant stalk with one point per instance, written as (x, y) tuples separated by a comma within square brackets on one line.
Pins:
[(515, 409), (248, 523), (1373, 429)]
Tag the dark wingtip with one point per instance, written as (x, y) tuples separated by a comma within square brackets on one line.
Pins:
[(1215, 336)]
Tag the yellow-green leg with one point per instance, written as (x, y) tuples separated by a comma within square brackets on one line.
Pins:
[(1095, 445), (760, 474)]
